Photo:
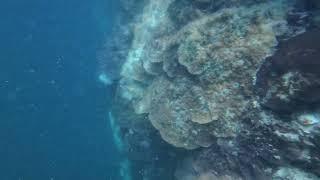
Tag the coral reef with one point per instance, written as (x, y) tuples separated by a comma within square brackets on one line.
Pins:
[(201, 87), (231, 86)]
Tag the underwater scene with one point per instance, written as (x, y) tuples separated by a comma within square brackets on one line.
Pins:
[(160, 90)]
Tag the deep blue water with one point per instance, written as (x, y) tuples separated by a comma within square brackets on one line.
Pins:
[(52, 108)]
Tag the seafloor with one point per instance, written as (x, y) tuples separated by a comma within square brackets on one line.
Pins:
[(217, 89)]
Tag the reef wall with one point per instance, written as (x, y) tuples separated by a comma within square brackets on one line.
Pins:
[(213, 89)]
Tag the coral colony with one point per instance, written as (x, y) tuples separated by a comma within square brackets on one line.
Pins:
[(219, 90)]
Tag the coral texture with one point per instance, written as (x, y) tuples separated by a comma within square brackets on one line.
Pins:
[(196, 82), (234, 82)]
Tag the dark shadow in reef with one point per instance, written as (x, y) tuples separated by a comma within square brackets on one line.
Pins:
[(299, 56)]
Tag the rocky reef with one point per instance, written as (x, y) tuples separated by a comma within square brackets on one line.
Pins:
[(220, 89)]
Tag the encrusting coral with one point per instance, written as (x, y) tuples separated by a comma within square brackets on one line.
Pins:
[(198, 73), (214, 58)]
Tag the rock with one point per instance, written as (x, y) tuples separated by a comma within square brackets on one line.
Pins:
[(288, 173), (290, 79)]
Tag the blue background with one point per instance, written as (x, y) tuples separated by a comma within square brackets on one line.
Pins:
[(52, 108)]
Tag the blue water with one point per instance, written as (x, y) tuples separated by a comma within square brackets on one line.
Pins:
[(52, 108)]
